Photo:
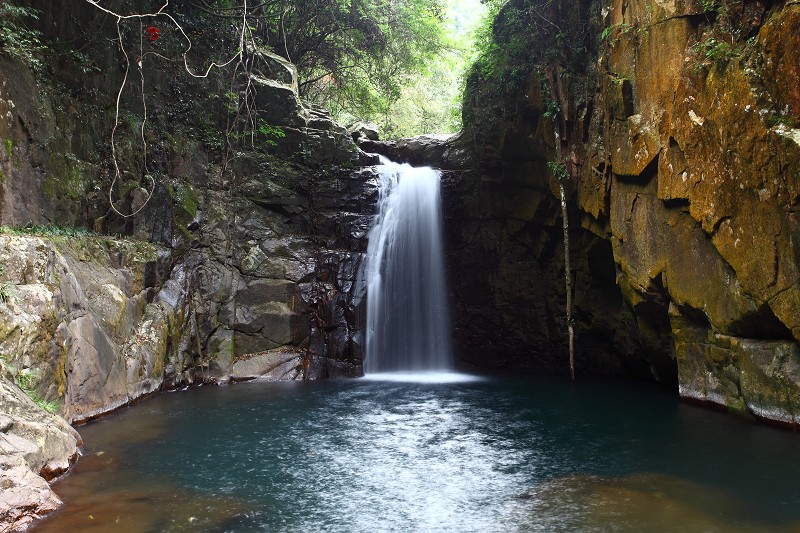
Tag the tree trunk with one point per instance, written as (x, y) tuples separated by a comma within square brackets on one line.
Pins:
[(568, 281), (567, 270)]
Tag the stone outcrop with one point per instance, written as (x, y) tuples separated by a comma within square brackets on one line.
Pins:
[(363, 131), (678, 132), (81, 321), (35, 447), (442, 151)]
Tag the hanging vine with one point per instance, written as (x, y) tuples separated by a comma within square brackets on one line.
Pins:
[(153, 34)]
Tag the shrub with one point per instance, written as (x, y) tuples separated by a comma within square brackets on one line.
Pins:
[(16, 39)]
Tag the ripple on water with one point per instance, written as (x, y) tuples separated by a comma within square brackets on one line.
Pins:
[(408, 455)]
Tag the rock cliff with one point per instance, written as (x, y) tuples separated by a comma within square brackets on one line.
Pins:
[(220, 232), (677, 125), (228, 190), (35, 447), (229, 217)]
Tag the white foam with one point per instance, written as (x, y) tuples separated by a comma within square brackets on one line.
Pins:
[(423, 377)]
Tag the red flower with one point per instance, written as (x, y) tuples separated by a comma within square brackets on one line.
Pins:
[(153, 33)]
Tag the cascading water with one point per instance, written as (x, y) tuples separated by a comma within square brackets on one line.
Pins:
[(408, 325)]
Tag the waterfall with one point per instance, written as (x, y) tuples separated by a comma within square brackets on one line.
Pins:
[(408, 325)]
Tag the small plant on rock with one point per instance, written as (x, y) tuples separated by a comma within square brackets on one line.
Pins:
[(559, 170), (7, 289), (16, 39), (26, 379), (713, 51), (7, 292), (613, 33), (269, 132)]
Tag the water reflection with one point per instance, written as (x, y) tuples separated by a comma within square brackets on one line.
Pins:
[(377, 455)]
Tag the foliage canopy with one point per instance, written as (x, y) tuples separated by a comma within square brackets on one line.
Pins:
[(393, 62)]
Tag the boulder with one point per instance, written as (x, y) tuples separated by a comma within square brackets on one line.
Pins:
[(81, 325), (443, 151), (35, 446), (277, 103), (281, 364), (363, 130)]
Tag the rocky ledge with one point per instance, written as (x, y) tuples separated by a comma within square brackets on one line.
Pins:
[(443, 151), (35, 447)]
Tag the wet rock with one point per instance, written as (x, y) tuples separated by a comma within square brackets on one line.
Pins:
[(641, 501), (281, 364), (439, 151), (748, 376), (221, 345)]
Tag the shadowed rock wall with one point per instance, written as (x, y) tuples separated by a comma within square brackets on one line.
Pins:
[(260, 256), (678, 130), (243, 257)]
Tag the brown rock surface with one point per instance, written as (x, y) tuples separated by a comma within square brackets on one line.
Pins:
[(35, 447), (79, 322), (681, 144)]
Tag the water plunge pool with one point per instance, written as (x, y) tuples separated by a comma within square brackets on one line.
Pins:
[(462, 455)]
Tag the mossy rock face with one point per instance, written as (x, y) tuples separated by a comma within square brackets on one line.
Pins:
[(221, 345), (82, 325), (256, 201), (780, 39), (689, 169), (770, 379), (748, 376)]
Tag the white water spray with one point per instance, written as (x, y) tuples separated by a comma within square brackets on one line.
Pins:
[(408, 325)]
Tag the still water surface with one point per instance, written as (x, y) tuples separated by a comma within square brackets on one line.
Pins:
[(474, 455)]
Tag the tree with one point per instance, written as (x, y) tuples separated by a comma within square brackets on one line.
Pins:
[(353, 56)]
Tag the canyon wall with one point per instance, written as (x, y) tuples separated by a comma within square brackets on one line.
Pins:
[(228, 218), (222, 196), (676, 124), (218, 238)]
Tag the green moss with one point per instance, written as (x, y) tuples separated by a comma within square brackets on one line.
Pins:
[(27, 380), (210, 133), (61, 371), (8, 290), (187, 199), (788, 121), (67, 178), (53, 230)]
